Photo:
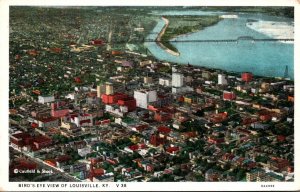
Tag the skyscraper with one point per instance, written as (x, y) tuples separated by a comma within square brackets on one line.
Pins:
[(144, 97), (177, 80), (109, 89)]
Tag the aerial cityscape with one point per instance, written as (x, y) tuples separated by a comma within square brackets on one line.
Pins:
[(151, 94)]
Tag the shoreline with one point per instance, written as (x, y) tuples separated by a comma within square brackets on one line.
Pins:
[(233, 73), (174, 37), (161, 33)]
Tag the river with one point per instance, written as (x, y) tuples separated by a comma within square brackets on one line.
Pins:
[(260, 58)]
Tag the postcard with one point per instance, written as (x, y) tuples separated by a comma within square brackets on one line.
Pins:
[(164, 96)]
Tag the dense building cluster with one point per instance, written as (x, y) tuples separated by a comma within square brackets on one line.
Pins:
[(97, 114)]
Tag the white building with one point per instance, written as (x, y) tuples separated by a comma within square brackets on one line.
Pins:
[(71, 96), (222, 79), (177, 80), (229, 16), (164, 82), (109, 89), (178, 90), (48, 122), (100, 90), (118, 110), (139, 29), (144, 97), (84, 151), (144, 63), (174, 69), (83, 120), (45, 99)]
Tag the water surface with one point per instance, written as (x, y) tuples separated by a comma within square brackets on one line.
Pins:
[(260, 58)]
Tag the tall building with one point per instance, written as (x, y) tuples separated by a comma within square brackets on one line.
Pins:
[(222, 79), (177, 80), (100, 90), (144, 97), (109, 89)]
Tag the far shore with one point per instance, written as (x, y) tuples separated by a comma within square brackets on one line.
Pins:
[(276, 30)]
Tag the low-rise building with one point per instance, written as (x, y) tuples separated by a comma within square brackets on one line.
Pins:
[(46, 99)]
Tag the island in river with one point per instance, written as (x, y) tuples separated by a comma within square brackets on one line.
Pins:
[(176, 25)]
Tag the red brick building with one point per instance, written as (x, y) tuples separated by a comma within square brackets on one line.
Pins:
[(129, 102), (163, 129), (265, 117), (215, 140), (218, 118), (162, 116), (42, 141), (279, 163), (228, 95), (23, 164), (57, 104), (140, 128), (59, 113), (77, 79), (97, 42), (112, 99), (247, 77), (172, 150), (156, 140), (20, 139)]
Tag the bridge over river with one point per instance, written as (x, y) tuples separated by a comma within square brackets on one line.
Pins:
[(237, 40)]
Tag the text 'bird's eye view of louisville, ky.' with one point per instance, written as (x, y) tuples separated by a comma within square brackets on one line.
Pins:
[(151, 94)]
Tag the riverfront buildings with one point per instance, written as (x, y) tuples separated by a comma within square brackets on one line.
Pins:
[(222, 79)]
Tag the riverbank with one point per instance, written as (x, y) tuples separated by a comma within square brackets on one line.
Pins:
[(182, 25), (275, 30), (159, 39)]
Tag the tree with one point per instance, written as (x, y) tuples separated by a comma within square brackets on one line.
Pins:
[(177, 172), (241, 174), (199, 177), (262, 159), (167, 177), (105, 165), (152, 150), (136, 155)]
